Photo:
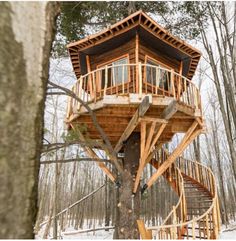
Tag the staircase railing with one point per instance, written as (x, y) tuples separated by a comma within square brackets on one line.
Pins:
[(134, 78), (179, 211), (206, 225)]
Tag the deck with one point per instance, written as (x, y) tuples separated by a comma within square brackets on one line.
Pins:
[(115, 92)]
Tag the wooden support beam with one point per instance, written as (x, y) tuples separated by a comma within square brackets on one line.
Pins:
[(92, 154), (143, 107), (137, 60), (149, 144), (191, 134), (143, 138), (144, 233), (173, 107), (153, 119), (157, 136), (170, 110)]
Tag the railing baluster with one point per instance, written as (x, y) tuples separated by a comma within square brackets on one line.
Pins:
[(123, 76), (173, 83), (140, 79), (157, 81), (106, 80), (94, 88)]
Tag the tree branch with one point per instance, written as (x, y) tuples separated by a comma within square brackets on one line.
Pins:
[(75, 160), (95, 122)]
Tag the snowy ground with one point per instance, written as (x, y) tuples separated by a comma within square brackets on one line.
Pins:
[(71, 233), (102, 234), (229, 232)]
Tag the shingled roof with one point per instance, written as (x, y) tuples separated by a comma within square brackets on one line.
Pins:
[(136, 20)]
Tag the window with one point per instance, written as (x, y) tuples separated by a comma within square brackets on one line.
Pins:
[(117, 72), (157, 76)]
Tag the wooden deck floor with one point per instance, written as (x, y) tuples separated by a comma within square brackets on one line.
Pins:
[(114, 116)]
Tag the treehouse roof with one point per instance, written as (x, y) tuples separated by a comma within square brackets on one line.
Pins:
[(121, 32)]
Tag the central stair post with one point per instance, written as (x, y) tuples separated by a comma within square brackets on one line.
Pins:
[(129, 204)]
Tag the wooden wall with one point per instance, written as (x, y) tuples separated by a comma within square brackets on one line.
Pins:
[(144, 49), (127, 48)]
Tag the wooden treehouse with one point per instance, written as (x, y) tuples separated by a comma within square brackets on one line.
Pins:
[(137, 78)]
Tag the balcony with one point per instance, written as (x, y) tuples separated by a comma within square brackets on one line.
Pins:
[(139, 79)]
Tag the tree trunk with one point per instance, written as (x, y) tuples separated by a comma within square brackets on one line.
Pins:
[(129, 204), (26, 33)]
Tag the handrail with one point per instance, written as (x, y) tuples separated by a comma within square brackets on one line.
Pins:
[(181, 198), (209, 183), (179, 187), (137, 78)]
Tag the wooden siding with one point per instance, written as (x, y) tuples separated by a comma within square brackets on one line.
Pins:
[(147, 50), (99, 59)]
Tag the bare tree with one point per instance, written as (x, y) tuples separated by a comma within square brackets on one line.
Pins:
[(26, 34)]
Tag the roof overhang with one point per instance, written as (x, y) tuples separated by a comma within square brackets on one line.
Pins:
[(119, 33)]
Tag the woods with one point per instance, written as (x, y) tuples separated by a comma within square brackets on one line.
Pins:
[(56, 180)]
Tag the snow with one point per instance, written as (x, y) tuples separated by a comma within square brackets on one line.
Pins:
[(226, 233), (101, 234), (229, 232)]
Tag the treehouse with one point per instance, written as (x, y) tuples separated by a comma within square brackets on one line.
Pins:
[(137, 78)]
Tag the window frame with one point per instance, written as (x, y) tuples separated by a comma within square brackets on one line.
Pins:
[(161, 64), (101, 65)]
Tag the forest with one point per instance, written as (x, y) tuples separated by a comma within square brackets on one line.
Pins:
[(56, 181)]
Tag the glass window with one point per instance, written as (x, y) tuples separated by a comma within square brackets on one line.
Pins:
[(117, 73), (157, 76), (120, 71)]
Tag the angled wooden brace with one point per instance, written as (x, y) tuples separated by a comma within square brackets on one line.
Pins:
[(142, 109), (190, 135), (146, 147), (92, 154)]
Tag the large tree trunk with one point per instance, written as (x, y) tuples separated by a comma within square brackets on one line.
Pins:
[(26, 33), (129, 204)]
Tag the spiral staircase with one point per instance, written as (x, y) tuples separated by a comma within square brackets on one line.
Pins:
[(196, 214)]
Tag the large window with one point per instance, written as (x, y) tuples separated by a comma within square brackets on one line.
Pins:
[(117, 72), (157, 76)]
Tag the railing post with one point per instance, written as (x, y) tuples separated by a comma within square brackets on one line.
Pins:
[(207, 227), (106, 80), (193, 228), (68, 107), (173, 83), (174, 222), (140, 85), (80, 90), (214, 217), (94, 88), (123, 79)]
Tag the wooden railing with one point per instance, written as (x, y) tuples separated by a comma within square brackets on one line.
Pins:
[(174, 177), (133, 78), (206, 225)]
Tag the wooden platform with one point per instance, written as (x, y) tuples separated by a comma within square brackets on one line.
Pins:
[(114, 113)]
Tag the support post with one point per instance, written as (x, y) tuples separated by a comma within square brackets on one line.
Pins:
[(189, 136), (142, 109)]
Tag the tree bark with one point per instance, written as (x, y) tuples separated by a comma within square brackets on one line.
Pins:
[(26, 34), (129, 204)]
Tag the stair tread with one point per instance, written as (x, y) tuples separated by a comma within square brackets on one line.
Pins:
[(185, 235)]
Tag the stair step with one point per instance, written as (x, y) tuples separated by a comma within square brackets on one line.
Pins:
[(199, 196), (197, 208), (196, 187), (199, 201), (200, 221), (201, 228), (190, 236)]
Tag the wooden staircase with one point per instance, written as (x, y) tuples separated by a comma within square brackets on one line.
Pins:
[(196, 214)]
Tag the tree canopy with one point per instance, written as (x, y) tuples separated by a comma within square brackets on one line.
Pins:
[(78, 19)]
